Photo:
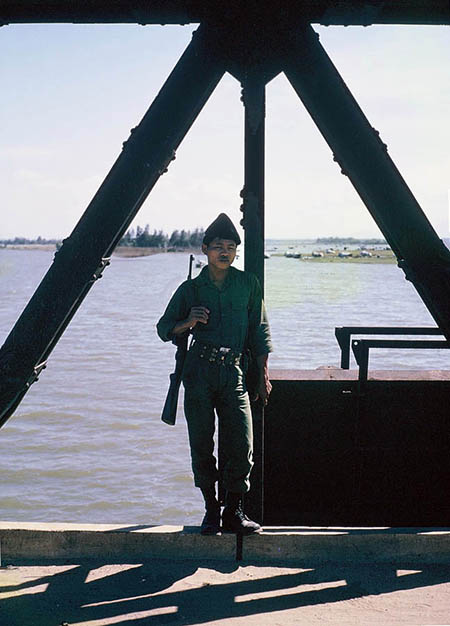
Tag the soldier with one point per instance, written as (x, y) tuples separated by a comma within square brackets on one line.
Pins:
[(223, 309)]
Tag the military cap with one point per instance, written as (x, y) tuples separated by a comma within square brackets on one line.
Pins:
[(223, 228)]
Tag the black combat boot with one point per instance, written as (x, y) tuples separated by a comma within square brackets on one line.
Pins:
[(234, 519), (211, 521)]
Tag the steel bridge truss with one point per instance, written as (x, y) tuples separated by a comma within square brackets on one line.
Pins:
[(254, 45)]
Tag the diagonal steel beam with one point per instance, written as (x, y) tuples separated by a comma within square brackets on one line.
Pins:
[(363, 157), (84, 255)]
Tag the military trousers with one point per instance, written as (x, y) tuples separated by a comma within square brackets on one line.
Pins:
[(215, 388)]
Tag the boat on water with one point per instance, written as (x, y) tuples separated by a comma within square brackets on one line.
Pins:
[(293, 254)]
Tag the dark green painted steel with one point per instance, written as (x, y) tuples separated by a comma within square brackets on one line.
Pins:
[(254, 99), (344, 333), (145, 156), (253, 96), (343, 12), (361, 348), (364, 158), (330, 455)]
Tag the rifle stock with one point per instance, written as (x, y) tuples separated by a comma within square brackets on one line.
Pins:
[(169, 413)]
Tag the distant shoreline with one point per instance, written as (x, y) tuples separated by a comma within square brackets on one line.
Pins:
[(122, 251), (363, 255), (133, 252), (28, 246)]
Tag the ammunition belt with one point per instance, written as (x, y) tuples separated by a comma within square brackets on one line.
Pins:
[(220, 355)]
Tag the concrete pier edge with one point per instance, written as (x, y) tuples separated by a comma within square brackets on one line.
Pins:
[(20, 541)]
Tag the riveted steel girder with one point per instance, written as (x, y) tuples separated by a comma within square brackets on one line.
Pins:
[(253, 96), (254, 99), (364, 158), (327, 12), (274, 44), (83, 256)]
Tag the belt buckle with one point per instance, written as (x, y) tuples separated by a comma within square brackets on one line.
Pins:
[(223, 353)]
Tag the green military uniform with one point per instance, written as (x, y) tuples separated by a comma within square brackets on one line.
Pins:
[(215, 378)]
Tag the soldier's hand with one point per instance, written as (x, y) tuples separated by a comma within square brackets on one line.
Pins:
[(263, 390), (198, 314)]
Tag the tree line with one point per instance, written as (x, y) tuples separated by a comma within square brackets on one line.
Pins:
[(143, 238), (22, 241), (140, 238), (349, 240)]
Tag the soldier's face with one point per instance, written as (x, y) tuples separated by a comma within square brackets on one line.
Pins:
[(220, 252)]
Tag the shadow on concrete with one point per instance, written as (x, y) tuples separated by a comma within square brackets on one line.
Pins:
[(127, 529), (189, 530), (143, 594)]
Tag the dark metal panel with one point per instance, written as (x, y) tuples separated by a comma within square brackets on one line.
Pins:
[(332, 460), (344, 12), (84, 254), (363, 157)]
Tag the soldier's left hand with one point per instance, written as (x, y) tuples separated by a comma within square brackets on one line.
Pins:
[(263, 390)]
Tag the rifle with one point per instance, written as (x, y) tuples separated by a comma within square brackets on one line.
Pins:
[(169, 414)]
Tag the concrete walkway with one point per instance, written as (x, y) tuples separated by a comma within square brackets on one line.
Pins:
[(100, 575)]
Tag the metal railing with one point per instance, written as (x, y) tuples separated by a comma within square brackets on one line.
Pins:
[(361, 347)]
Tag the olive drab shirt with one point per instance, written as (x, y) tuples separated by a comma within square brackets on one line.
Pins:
[(237, 316)]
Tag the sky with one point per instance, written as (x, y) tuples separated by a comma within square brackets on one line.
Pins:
[(71, 94)]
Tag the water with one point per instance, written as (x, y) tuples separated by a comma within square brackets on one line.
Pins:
[(87, 443)]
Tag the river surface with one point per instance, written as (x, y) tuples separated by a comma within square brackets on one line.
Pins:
[(87, 444)]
